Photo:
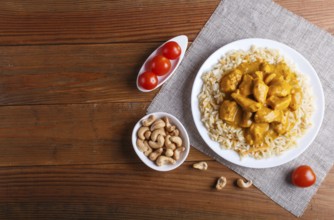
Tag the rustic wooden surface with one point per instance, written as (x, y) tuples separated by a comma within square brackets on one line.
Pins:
[(68, 103)]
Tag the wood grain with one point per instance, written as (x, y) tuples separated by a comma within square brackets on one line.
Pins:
[(318, 12), (61, 74), (70, 134), (99, 21), (132, 191)]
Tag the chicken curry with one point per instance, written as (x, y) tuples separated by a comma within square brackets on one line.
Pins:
[(262, 99)]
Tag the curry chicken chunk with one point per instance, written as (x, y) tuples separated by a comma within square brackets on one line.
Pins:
[(261, 98)]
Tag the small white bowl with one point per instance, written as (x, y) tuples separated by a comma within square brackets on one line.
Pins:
[(183, 135), (182, 40)]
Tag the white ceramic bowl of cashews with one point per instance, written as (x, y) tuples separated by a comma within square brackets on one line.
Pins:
[(161, 141)]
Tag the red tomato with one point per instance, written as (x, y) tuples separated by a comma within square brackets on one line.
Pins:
[(303, 176), (160, 65), (148, 80), (171, 50)]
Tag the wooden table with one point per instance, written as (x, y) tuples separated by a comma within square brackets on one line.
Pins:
[(69, 103)]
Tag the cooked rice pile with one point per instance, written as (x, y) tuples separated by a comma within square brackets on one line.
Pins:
[(232, 138)]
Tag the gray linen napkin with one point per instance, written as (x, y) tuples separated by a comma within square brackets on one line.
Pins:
[(238, 19)]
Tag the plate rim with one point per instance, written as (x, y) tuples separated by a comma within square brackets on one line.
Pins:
[(282, 159)]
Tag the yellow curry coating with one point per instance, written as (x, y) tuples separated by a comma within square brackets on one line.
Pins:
[(261, 98)]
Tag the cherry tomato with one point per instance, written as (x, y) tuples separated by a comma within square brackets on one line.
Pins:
[(171, 50), (148, 80), (160, 65), (303, 176)]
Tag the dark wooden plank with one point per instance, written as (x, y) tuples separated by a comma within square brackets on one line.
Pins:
[(318, 12), (70, 134), (99, 21), (72, 73), (132, 191)]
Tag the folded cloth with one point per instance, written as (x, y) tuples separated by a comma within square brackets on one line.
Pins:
[(239, 19)]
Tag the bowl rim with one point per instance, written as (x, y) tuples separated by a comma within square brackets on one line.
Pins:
[(183, 134)]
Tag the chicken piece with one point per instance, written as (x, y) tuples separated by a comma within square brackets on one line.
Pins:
[(248, 68), (286, 71), (279, 88), (281, 69), (296, 99), (246, 120), (246, 85), (289, 76), (230, 81), (230, 112), (287, 123), (260, 90), (268, 68), (277, 79), (268, 115), (246, 103), (269, 78), (293, 81), (258, 75), (256, 133), (272, 135), (278, 103)]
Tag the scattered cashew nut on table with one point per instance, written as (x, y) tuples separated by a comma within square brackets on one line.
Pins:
[(221, 183), (242, 184), (201, 165), (159, 140)]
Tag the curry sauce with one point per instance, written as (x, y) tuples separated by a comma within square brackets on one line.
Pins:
[(261, 98)]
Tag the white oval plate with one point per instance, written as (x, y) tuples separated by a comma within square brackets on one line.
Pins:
[(301, 64), (182, 40)]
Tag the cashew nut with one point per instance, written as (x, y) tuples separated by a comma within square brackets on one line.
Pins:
[(149, 149), (141, 145), (177, 153), (169, 152), (176, 132), (141, 132), (147, 122), (201, 165), (155, 154), (147, 134), (169, 144), (157, 132), (221, 183), (157, 124), (157, 144), (168, 125), (176, 140), (163, 160), (242, 184), (171, 128)]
